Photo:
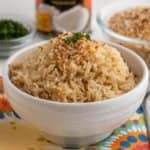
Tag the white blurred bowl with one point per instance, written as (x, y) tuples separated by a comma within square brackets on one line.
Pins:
[(78, 124), (141, 47), (9, 46)]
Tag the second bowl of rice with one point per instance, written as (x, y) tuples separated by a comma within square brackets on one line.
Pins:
[(76, 91)]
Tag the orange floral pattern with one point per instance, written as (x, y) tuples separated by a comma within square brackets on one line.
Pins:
[(131, 141), (4, 104)]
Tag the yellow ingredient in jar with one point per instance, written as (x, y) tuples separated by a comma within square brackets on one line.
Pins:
[(44, 21)]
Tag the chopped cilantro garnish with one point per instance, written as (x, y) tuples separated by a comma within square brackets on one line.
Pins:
[(10, 29), (75, 37)]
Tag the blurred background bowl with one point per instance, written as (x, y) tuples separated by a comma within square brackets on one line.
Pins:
[(141, 47), (7, 47)]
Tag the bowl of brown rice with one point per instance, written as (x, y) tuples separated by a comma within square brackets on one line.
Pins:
[(127, 23), (76, 90)]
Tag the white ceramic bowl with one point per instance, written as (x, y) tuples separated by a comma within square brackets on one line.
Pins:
[(78, 124)]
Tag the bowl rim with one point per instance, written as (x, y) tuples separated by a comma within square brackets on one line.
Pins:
[(24, 21), (100, 21), (7, 80)]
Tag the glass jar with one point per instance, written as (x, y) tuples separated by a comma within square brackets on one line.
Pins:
[(64, 16)]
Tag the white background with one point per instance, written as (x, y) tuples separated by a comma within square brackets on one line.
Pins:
[(21, 7)]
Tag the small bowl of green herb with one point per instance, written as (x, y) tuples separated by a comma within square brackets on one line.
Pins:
[(15, 32)]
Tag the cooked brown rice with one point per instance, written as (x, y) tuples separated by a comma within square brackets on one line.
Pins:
[(83, 71)]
